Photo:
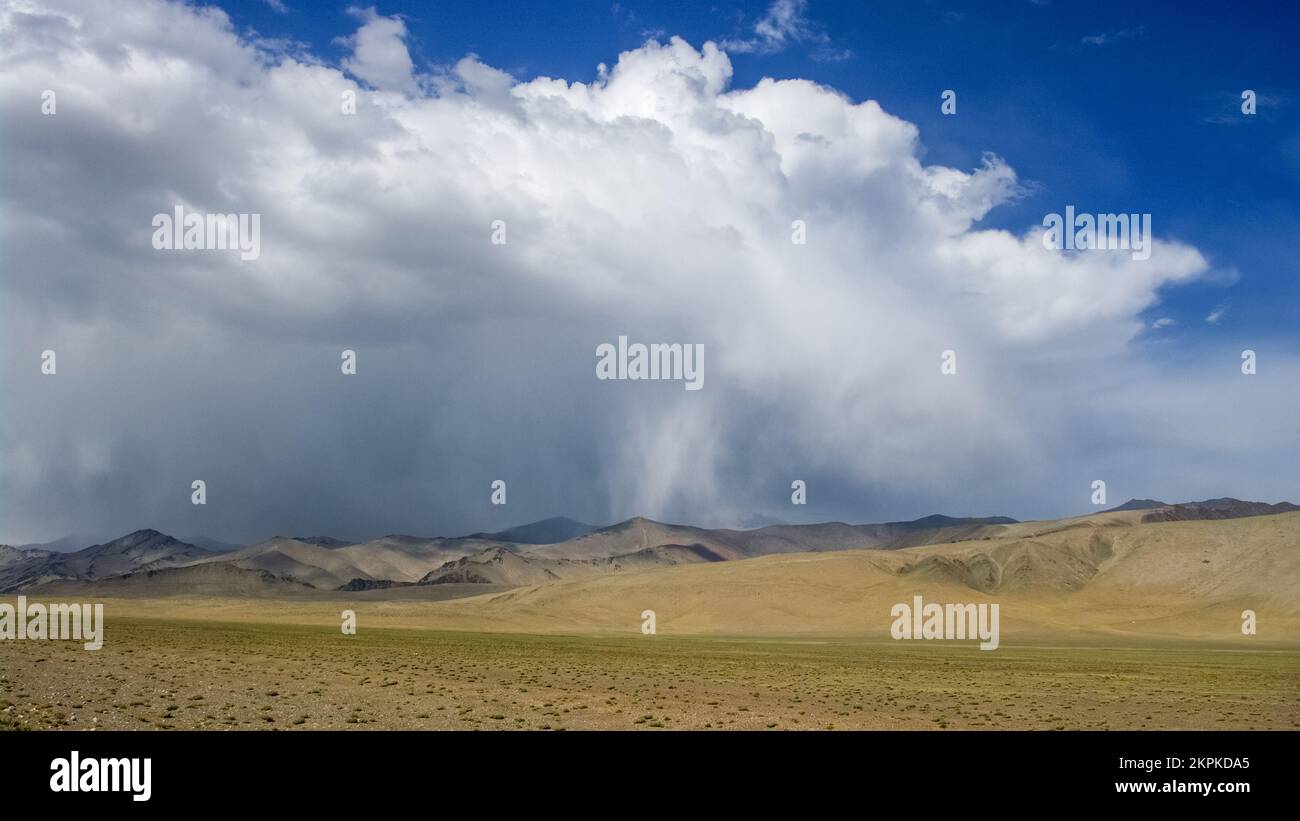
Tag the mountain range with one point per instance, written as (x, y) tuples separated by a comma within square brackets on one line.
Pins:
[(147, 561)]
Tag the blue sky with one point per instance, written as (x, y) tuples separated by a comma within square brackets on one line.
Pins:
[(1108, 106)]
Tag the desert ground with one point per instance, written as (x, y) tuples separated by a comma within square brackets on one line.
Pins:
[(1105, 624), (182, 673)]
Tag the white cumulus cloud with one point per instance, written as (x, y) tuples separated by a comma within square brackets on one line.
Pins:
[(379, 54), (656, 201)]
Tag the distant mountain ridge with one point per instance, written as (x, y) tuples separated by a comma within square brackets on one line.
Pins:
[(546, 531), (1217, 509), (66, 544), (142, 550), (548, 550), (211, 545), (1138, 504), (1222, 508), (323, 541)]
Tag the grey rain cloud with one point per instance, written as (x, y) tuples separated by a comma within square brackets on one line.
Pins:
[(655, 202)]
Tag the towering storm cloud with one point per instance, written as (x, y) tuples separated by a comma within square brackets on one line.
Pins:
[(475, 237)]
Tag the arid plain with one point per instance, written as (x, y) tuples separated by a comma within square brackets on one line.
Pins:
[(1108, 621)]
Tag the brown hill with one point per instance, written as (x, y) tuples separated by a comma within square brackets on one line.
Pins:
[(504, 567), (1103, 576), (641, 533), (206, 579), (321, 567)]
